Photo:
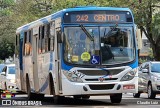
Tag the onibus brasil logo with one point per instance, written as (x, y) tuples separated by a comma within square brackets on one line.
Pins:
[(6, 94)]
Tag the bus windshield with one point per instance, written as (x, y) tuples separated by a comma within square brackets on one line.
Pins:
[(104, 45)]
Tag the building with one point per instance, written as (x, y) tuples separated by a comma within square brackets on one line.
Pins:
[(144, 52)]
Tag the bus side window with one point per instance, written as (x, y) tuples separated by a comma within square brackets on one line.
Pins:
[(17, 45), (27, 43), (30, 42), (43, 39), (47, 41), (52, 36), (52, 39), (48, 34), (40, 40)]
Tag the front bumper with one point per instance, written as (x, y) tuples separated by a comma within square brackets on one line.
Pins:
[(72, 88)]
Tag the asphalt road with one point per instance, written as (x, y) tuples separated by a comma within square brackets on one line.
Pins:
[(94, 102)]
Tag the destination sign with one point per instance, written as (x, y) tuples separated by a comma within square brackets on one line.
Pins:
[(97, 16)]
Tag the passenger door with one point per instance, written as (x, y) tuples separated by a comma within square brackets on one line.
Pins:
[(35, 60), (57, 64)]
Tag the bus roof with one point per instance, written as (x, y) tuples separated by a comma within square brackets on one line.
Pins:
[(81, 8), (48, 18)]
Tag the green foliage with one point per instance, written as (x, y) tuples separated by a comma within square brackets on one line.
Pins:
[(1, 61), (15, 14), (6, 49), (142, 60), (5, 6), (7, 2), (7, 29), (151, 54), (156, 27)]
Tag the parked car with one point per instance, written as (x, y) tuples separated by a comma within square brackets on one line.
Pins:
[(149, 79), (1, 67), (7, 77)]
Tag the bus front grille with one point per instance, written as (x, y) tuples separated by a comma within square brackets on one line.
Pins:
[(101, 87), (101, 72), (96, 79)]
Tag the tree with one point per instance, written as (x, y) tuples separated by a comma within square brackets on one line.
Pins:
[(6, 49), (7, 29), (147, 17), (149, 23), (5, 7), (17, 14)]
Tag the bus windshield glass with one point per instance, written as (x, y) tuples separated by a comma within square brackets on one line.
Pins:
[(104, 45)]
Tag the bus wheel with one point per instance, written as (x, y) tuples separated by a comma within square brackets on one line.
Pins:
[(51, 85), (116, 98), (30, 95), (136, 95), (58, 99), (85, 97)]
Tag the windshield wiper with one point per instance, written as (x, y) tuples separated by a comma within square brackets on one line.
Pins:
[(86, 32), (106, 35)]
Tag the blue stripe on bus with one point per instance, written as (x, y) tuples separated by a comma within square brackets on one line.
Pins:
[(66, 67), (44, 86), (25, 28), (44, 20), (134, 65), (51, 61)]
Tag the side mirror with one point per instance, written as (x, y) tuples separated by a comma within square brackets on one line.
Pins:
[(145, 71), (3, 73)]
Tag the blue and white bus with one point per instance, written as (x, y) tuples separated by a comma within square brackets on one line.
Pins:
[(79, 52)]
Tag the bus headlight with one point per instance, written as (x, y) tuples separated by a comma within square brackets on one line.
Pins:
[(72, 76), (129, 75)]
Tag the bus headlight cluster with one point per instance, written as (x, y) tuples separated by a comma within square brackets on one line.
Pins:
[(72, 76), (129, 75)]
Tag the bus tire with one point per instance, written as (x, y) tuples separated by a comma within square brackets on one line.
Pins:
[(30, 95), (85, 96), (58, 99), (116, 98), (51, 85), (136, 95), (77, 96)]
